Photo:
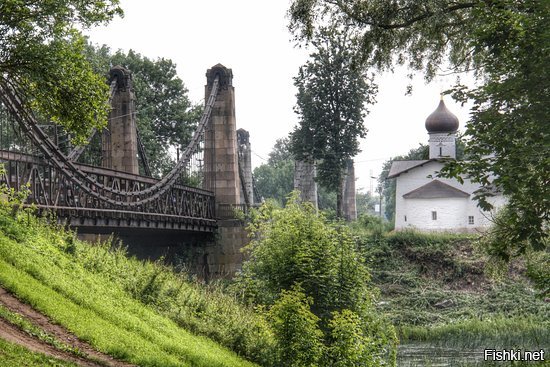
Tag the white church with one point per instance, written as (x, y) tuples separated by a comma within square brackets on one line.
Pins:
[(426, 202)]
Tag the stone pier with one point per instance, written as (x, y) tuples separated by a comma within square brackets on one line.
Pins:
[(119, 140), (304, 181), (349, 199), (221, 171), (221, 175), (245, 167)]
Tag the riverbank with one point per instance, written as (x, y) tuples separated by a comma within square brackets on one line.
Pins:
[(436, 290)]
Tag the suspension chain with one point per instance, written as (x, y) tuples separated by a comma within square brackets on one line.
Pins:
[(12, 100)]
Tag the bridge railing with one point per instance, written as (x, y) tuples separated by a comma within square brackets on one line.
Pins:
[(51, 188)]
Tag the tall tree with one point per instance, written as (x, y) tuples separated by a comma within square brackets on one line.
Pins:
[(42, 57), (506, 44), (331, 98)]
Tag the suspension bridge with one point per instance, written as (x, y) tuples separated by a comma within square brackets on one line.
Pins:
[(114, 195)]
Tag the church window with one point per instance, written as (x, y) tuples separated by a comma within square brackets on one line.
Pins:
[(440, 151), (470, 219), (434, 215), (405, 218)]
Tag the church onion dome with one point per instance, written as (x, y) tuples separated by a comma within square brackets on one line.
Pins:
[(442, 120)]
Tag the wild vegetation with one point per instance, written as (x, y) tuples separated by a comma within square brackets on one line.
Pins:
[(438, 288), (307, 273), (139, 312)]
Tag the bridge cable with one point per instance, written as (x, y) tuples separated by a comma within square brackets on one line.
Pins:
[(11, 98)]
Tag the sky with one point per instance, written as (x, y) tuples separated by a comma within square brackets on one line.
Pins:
[(251, 38)]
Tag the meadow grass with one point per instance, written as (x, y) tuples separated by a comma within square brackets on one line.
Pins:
[(23, 324), (498, 332), (416, 272), (38, 264), (13, 355)]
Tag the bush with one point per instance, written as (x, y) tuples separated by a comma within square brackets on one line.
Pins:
[(299, 340), (296, 246)]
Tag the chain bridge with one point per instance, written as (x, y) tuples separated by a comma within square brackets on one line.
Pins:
[(113, 194)]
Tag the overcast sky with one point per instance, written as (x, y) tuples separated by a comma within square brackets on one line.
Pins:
[(251, 38)]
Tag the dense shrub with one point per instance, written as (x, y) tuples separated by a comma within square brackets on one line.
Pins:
[(295, 246)]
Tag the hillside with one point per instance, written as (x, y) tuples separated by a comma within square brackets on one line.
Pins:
[(435, 288), (137, 312)]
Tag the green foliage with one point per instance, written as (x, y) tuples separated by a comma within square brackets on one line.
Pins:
[(295, 246), (275, 181), (332, 92), (299, 339), (435, 287), (505, 43), (164, 112), (504, 241), (147, 309), (348, 346), (538, 269), (43, 58)]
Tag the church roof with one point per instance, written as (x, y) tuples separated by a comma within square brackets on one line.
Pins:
[(442, 120), (399, 167), (436, 189)]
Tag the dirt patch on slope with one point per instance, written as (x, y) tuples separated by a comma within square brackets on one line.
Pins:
[(14, 335)]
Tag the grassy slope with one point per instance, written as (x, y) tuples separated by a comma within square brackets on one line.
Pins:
[(417, 272), (14, 355), (38, 264)]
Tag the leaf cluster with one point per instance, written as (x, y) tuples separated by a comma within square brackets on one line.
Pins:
[(42, 58)]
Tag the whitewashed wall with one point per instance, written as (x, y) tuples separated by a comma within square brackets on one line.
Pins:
[(452, 213)]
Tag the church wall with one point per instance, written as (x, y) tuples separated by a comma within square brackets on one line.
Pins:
[(451, 215)]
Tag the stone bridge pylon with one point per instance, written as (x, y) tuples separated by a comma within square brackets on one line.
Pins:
[(221, 170), (221, 175)]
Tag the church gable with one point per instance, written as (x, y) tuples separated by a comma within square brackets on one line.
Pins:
[(435, 189)]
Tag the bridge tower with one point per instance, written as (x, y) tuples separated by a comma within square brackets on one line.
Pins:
[(221, 170), (119, 140), (221, 175)]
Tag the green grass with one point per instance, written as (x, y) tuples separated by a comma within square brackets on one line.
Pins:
[(498, 332), (13, 355), (39, 264), (416, 272), (33, 330), (204, 310)]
